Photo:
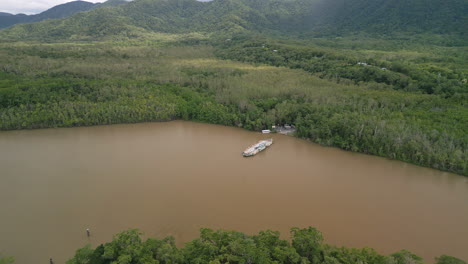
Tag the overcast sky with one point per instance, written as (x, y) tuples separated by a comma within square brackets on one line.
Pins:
[(32, 6)]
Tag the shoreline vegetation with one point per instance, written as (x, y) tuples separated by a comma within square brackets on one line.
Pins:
[(216, 247), (390, 107)]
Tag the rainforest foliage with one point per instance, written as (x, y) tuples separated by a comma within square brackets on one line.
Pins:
[(6, 260), (401, 72), (216, 247)]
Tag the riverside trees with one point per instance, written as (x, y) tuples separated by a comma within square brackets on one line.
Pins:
[(216, 247)]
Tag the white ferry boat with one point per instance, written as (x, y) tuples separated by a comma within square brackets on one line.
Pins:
[(256, 148)]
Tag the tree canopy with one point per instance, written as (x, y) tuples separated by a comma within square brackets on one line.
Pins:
[(220, 246)]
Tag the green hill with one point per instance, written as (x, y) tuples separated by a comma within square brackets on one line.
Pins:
[(56, 12), (418, 16), (59, 11), (63, 10), (7, 20), (300, 17)]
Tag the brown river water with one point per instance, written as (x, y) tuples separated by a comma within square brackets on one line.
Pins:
[(174, 178)]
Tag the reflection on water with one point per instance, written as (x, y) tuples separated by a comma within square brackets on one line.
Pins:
[(174, 178)]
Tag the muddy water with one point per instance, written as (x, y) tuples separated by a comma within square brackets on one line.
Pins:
[(174, 178)]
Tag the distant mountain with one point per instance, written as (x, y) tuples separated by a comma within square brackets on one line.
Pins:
[(309, 17), (112, 3), (59, 11), (63, 10), (436, 16)]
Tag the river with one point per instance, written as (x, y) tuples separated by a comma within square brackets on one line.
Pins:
[(176, 177)]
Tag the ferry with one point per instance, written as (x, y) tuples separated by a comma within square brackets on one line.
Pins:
[(256, 148)]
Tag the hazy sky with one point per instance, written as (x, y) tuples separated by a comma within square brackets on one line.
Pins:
[(32, 6)]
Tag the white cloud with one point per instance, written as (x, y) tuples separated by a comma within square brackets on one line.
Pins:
[(32, 6)]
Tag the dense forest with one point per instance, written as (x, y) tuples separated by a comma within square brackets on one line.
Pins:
[(216, 247)]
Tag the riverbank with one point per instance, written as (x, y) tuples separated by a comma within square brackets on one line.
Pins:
[(220, 246), (147, 84)]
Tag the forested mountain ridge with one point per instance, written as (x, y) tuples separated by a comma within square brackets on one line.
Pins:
[(384, 16), (7, 20), (56, 12), (59, 11), (314, 18)]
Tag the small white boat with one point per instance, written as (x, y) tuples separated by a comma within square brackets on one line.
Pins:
[(256, 148), (266, 131)]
